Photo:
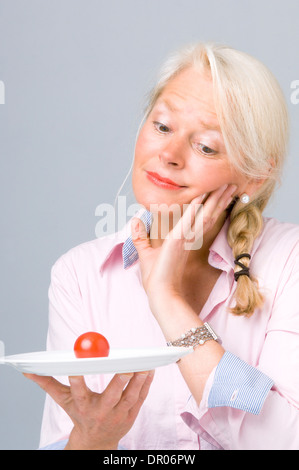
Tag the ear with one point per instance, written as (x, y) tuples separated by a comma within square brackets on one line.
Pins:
[(255, 184)]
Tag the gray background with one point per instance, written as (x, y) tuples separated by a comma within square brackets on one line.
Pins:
[(76, 73)]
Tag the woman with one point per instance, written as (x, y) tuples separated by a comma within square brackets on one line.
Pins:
[(215, 137)]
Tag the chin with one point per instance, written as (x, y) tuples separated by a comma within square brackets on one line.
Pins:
[(160, 207), (158, 201)]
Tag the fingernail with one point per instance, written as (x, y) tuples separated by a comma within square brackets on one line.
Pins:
[(126, 377), (202, 198), (144, 375), (233, 188), (199, 199), (148, 373), (135, 225), (135, 228)]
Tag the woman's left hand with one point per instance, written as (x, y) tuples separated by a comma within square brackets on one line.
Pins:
[(100, 419), (162, 268)]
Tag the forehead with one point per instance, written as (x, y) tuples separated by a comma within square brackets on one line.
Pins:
[(191, 93)]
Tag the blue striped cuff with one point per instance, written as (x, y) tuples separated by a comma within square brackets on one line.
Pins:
[(239, 385), (129, 252)]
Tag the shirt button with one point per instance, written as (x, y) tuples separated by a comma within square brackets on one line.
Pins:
[(234, 395)]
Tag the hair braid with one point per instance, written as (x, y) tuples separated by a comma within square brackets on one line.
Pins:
[(246, 224)]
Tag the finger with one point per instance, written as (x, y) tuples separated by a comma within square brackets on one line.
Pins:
[(138, 229), (204, 219), (229, 194), (58, 391), (140, 237), (192, 225), (136, 391), (113, 392), (146, 386), (219, 199), (133, 412), (79, 390), (215, 205), (215, 197), (183, 228)]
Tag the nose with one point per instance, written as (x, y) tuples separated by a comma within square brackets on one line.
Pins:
[(173, 153)]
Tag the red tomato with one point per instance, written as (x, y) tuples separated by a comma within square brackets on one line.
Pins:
[(91, 344)]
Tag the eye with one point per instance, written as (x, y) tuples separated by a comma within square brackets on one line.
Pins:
[(205, 150), (162, 128)]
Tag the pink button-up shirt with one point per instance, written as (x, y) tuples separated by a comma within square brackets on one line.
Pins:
[(91, 290)]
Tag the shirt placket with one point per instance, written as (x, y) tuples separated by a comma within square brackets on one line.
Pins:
[(222, 288)]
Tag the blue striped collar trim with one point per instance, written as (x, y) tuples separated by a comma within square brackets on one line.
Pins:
[(129, 252)]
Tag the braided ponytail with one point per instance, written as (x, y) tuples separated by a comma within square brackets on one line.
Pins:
[(246, 224)]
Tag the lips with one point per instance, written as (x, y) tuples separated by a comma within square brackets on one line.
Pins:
[(162, 182)]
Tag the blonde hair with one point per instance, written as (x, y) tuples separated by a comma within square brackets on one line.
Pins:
[(253, 117)]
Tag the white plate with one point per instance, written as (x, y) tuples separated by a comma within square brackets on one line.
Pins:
[(119, 360)]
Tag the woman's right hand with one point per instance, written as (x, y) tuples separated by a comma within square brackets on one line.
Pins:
[(100, 419)]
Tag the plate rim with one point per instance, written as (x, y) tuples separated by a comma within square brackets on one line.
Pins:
[(21, 358)]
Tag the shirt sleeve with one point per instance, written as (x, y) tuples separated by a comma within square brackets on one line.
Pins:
[(239, 385), (257, 408)]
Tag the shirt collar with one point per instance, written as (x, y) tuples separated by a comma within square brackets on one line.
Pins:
[(220, 257), (124, 238)]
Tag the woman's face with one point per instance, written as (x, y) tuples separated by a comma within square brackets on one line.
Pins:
[(181, 141)]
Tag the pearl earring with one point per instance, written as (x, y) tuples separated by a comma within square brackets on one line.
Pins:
[(245, 198)]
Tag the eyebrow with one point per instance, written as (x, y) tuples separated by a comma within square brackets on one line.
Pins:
[(205, 124)]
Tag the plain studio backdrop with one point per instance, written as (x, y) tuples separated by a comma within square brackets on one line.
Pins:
[(75, 74)]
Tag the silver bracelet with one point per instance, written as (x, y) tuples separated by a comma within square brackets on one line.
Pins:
[(195, 337)]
